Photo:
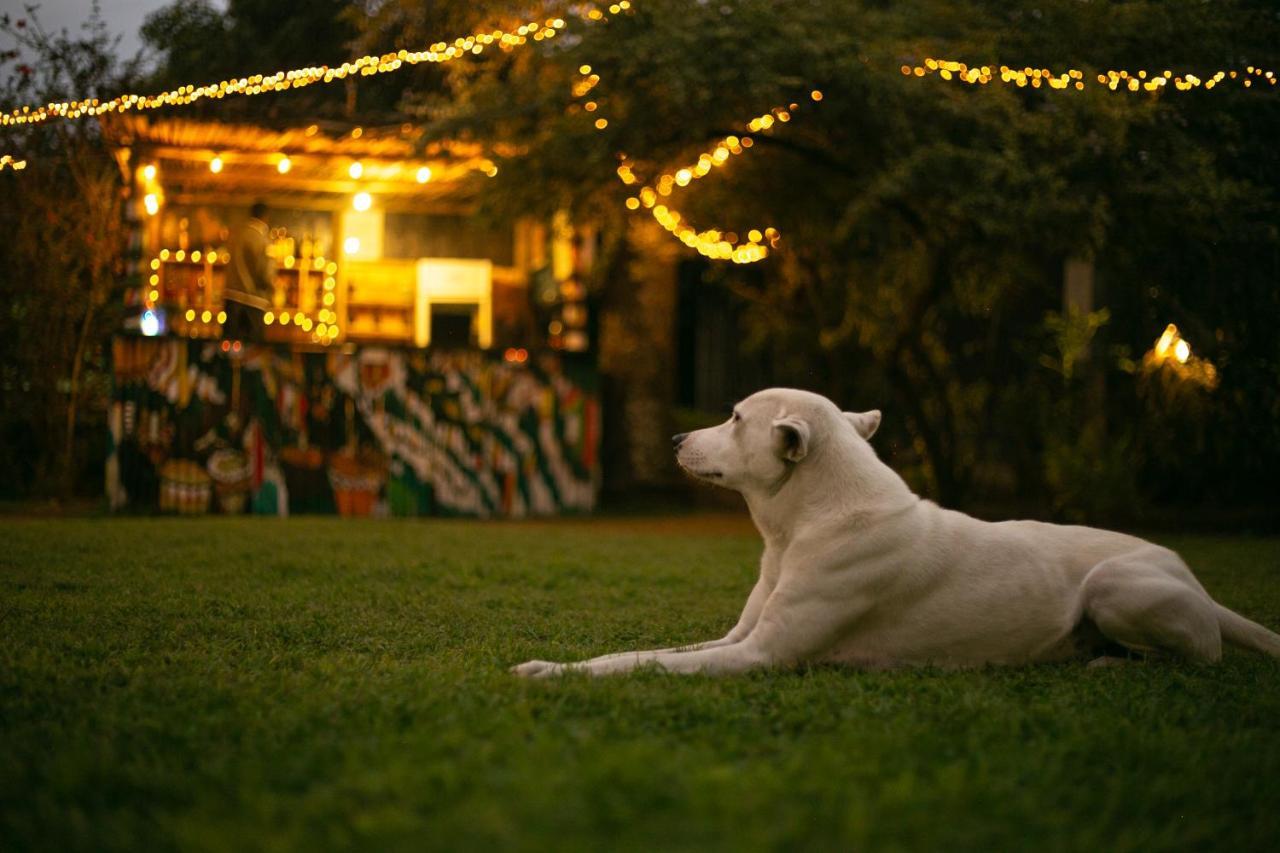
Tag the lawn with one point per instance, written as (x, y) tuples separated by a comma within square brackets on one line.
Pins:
[(320, 683)]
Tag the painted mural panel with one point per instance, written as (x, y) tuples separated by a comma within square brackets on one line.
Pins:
[(207, 426)]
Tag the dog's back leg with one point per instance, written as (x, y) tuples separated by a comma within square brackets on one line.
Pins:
[(1149, 601)]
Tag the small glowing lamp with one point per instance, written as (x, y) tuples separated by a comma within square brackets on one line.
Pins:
[(362, 202)]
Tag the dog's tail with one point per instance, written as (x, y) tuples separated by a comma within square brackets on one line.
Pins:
[(1244, 632)]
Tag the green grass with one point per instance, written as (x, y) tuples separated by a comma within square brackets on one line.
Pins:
[(319, 683)]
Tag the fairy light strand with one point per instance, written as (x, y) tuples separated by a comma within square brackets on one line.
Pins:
[(1075, 79), (714, 243), (297, 78)]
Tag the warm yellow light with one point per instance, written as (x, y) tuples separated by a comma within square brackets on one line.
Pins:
[(190, 315), (288, 262), (351, 245), (284, 318), (215, 165), (602, 123), (362, 201), (306, 324), (633, 203), (195, 256), (1182, 351), (683, 177), (816, 95), (149, 172), (355, 170), (1166, 340), (222, 316), (164, 256), (268, 318), (424, 174), (754, 235), (206, 316), (152, 203), (284, 165), (584, 70)]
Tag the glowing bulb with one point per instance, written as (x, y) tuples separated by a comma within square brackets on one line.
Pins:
[(149, 172), (268, 318), (355, 170), (222, 316), (351, 245), (206, 316), (151, 202), (1182, 351), (190, 315), (424, 174), (284, 165), (150, 324), (362, 201), (215, 165)]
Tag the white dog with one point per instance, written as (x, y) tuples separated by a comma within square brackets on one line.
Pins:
[(859, 570)]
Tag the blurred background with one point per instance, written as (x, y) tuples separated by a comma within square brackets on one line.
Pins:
[(1064, 301)]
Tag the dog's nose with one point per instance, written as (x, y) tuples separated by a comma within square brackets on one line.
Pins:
[(677, 439)]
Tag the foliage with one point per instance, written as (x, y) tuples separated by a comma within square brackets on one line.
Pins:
[(926, 224), (63, 262), (316, 684)]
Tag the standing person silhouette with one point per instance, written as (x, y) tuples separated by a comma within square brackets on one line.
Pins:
[(248, 290)]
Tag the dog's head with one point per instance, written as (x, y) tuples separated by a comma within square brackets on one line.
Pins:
[(766, 437)]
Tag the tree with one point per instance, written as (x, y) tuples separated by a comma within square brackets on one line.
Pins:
[(62, 255), (925, 224)]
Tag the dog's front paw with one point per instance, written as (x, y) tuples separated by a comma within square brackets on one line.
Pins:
[(537, 669)]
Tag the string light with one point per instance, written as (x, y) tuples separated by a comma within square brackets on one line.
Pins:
[(712, 242), (8, 162), (297, 78), (1075, 79)]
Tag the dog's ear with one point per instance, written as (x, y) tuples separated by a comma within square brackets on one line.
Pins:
[(791, 437), (866, 423)]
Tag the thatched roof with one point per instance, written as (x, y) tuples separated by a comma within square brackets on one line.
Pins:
[(320, 159)]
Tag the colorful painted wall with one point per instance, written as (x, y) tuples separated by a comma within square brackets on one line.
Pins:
[(198, 426)]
